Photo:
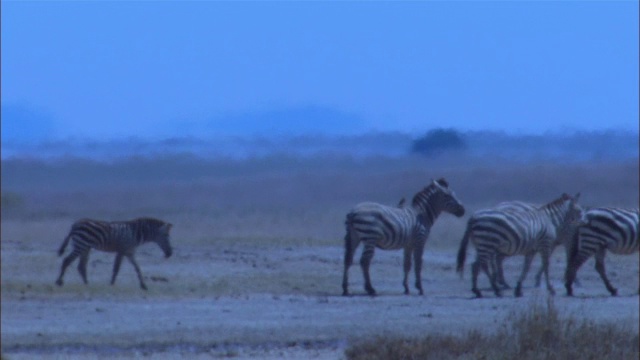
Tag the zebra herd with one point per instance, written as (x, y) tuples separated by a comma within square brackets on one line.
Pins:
[(509, 229)]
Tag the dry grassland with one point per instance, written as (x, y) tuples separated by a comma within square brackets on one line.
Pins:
[(257, 263)]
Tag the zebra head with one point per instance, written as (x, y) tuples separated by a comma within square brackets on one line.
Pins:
[(574, 212), (163, 239), (158, 232), (571, 217), (566, 213), (438, 197)]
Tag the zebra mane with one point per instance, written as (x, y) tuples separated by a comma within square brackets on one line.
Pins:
[(150, 221), (426, 193), (559, 200)]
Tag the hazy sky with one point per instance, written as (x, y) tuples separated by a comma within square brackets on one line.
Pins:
[(105, 69)]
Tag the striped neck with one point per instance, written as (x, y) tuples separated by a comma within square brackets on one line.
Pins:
[(557, 212), (427, 203)]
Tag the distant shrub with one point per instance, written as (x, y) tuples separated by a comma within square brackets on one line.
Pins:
[(438, 141), (539, 333), (11, 200)]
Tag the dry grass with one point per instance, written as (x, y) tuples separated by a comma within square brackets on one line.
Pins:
[(284, 199), (274, 203), (275, 226), (539, 333)]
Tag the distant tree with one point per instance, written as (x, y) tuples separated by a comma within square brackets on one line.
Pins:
[(438, 141)]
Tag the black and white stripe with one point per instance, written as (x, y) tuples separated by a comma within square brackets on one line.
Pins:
[(563, 237), (121, 237), (513, 231), (390, 228), (602, 229)]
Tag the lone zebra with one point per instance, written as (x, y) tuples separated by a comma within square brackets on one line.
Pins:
[(602, 229), (121, 237), (390, 228), (500, 233)]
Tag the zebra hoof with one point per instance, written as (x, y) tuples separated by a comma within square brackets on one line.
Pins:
[(371, 292), (569, 290), (345, 293), (614, 292), (59, 282), (477, 293), (552, 292)]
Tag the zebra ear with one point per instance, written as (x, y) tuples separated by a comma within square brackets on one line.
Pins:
[(576, 197), (439, 185), (443, 182)]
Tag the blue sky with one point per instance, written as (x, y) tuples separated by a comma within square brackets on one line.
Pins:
[(108, 69)]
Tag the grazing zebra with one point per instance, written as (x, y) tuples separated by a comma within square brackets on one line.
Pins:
[(516, 231), (564, 236), (388, 228), (602, 229), (121, 237)]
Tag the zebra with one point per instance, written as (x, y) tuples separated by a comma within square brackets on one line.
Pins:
[(564, 236), (390, 228), (516, 231), (121, 237), (602, 229)]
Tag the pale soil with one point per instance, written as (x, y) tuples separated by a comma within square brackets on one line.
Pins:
[(270, 302)]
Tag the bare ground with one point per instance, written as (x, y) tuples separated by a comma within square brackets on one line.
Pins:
[(267, 302)]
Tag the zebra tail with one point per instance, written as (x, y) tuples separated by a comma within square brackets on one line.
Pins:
[(348, 249), (462, 252), (64, 245)]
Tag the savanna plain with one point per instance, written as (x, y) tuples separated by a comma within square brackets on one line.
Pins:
[(258, 257)]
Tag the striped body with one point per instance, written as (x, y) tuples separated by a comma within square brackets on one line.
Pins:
[(563, 237), (515, 230), (601, 230), (392, 228), (121, 237)]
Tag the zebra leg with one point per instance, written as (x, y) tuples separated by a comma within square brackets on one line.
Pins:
[(65, 263), (528, 258), (572, 269), (493, 273), (417, 257), (365, 261), (407, 268), (351, 243), (601, 270), (132, 259), (539, 276), (545, 267), (568, 253), (475, 269), (500, 273), (116, 267), (82, 266)]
